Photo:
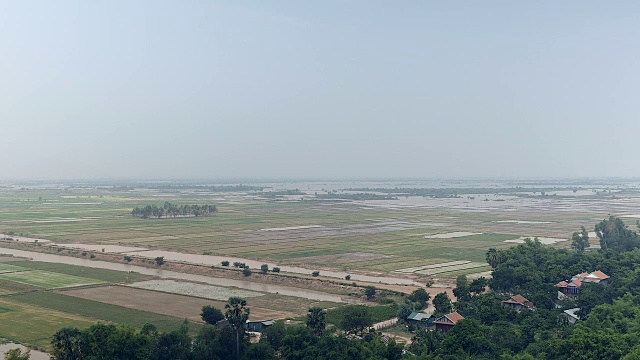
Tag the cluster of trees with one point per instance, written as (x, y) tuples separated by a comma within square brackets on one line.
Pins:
[(230, 342), (173, 210)]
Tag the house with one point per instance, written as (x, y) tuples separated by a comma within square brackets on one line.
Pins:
[(517, 302), (571, 288), (420, 319), (597, 277), (258, 325), (447, 322), (572, 315)]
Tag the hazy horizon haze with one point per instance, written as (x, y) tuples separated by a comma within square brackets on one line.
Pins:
[(218, 90)]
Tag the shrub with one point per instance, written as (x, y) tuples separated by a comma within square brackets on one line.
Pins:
[(315, 273)]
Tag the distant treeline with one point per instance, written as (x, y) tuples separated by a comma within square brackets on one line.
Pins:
[(363, 196), (452, 192), (196, 187), (173, 210), (281, 193)]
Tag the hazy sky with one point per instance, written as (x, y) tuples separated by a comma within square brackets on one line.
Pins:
[(324, 89)]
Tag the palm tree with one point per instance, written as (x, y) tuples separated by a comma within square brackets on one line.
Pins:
[(317, 319), (237, 314), (493, 258)]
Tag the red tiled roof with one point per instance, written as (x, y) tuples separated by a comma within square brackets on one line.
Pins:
[(600, 275), (519, 300), (577, 282), (562, 284), (453, 319)]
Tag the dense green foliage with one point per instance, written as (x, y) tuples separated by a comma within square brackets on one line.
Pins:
[(211, 315), (611, 313), (212, 343), (173, 210)]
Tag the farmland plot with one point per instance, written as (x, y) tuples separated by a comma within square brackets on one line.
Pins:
[(47, 280), (7, 268), (211, 292)]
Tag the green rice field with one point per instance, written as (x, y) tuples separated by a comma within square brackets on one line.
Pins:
[(47, 280)]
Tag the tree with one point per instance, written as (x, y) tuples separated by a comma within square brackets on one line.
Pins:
[(614, 235), (237, 314), (317, 319), (370, 291), (17, 354), (461, 291), (442, 303), (224, 263), (211, 315), (355, 319), (580, 240), (246, 271), (404, 311), (260, 351), (420, 296), (348, 277), (173, 345), (274, 334), (264, 268), (160, 260), (478, 285), (275, 269), (492, 257), (315, 273), (67, 344)]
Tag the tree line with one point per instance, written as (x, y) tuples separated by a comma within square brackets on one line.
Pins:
[(230, 341), (173, 210)]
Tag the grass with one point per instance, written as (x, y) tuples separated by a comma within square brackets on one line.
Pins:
[(35, 325), (47, 280), (98, 310), (378, 314), (5, 268), (112, 276), (10, 287)]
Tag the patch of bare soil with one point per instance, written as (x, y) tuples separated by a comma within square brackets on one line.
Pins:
[(162, 303)]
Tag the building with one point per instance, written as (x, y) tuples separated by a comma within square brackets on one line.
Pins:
[(447, 322), (517, 302), (258, 325), (420, 319), (597, 277), (571, 288), (572, 315)]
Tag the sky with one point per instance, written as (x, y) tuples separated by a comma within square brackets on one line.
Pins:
[(124, 89)]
